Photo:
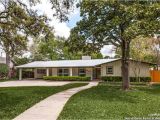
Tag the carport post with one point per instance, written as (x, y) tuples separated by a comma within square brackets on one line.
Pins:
[(47, 73), (70, 72), (20, 73)]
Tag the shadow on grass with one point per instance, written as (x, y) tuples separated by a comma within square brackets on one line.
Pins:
[(15, 100), (152, 89), (109, 93), (112, 92), (108, 101), (137, 86)]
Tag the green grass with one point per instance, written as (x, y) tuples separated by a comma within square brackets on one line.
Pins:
[(15, 100), (5, 80), (131, 83), (108, 101)]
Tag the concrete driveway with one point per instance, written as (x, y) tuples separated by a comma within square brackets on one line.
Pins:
[(32, 83)]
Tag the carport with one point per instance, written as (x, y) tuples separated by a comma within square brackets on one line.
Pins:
[(32, 72)]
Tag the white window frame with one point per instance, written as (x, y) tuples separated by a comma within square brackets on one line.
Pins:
[(81, 73), (107, 70), (63, 72), (41, 71)]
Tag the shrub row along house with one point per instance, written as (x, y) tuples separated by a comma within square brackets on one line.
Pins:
[(93, 68)]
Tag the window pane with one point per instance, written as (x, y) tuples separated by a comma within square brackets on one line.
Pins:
[(41, 71), (63, 72), (82, 72), (60, 70), (109, 69)]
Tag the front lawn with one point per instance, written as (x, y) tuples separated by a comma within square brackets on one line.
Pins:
[(108, 101), (5, 80), (15, 100)]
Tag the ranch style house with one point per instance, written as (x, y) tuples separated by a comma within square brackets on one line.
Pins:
[(94, 68)]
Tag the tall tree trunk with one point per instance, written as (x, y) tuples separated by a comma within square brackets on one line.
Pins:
[(125, 65), (8, 60)]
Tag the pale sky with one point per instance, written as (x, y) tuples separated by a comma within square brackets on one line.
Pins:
[(63, 29)]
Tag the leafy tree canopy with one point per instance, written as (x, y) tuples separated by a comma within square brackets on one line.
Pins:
[(56, 49), (117, 23), (142, 49), (111, 22), (18, 24), (20, 60)]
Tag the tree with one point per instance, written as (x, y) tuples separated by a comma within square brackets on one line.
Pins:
[(17, 25), (20, 60), (156, 42), (55, 49), (116, 23), (141, 48), (18, 22), (144, 49), (63, 8)]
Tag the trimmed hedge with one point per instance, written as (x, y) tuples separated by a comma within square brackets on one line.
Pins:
[(140, 79), (111, 78), (119, 78), (66, 78)]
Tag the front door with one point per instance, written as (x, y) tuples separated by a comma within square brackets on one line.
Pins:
[(50, 71), (98, 73)]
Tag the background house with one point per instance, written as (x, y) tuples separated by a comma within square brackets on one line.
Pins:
[(3, 61)]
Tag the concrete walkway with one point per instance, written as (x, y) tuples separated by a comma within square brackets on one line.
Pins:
[(50, 108), (18, 83)]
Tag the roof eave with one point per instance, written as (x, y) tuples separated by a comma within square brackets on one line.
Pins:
[(55, 66)]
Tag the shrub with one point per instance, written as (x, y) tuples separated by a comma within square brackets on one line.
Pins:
[(119, 78), (140, 79), (3, 70), (66, 78), (111, 78)]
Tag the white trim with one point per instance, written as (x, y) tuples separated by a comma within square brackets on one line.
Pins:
[(70, 72), (20, 74), (66, 63), (47, 72)]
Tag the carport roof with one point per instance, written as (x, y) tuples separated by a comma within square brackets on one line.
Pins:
[(66, 63)]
